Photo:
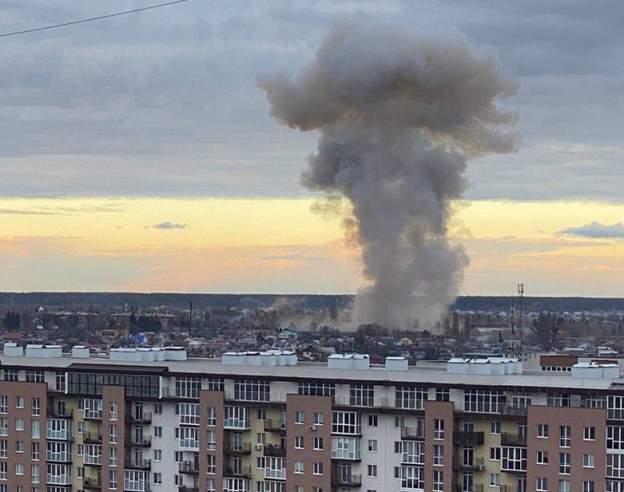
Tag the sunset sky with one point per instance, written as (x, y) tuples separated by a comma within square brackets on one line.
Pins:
[(138, 154)]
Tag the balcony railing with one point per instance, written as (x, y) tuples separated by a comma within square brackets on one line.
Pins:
[(188, 467), (137, 442), (275, 473), (144, 418), (516, 440), (91, 438), (341, 480), (476, 465), (271, 425), (515, 411), (412, 433), (66, 414), (239, 448), (92, 484), (275, 451), (139, 464), (186, 488), (58, 435), (466, 438), (238, 424), (238, 472)]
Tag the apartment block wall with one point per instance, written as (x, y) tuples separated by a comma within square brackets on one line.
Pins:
[(308, 405), (577, 419), (441, 411), (113, 396), (25, 392), (207, 400)]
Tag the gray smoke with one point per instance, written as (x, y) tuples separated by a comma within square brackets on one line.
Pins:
[(398, 116)]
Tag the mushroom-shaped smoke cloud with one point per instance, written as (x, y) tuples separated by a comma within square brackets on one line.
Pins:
[(398, 116)]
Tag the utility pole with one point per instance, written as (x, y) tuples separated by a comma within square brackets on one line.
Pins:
[(191, 319), (521, 326)]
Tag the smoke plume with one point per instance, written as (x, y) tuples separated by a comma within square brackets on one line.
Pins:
[(398, 115)]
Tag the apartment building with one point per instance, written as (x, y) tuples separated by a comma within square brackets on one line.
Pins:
[(153, 420)]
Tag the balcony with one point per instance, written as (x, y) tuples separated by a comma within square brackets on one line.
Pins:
[(58, 435), (274, 426), (66, 414), (463, 438), (138, 464), (91, 438), (237, 449), (90, 460), (136, 442), (275, 473), (476, 465), (144, 418), (515, 440), (413, 433), (238, 472), (346, 481), (91, 484), (188, 467), (515, 411), (236, 424), (92, 414), (275, 451)]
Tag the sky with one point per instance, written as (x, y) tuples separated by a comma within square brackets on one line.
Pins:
[(139, 154)]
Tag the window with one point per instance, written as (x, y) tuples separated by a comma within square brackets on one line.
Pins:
[(157, 408), (542, 457), (484, 401), (345, 448), (212, 416), (19, 446), (373, 421), (4, 404), (19, 402), (252, 390), (113, 412), (318, 443), (558, 400), (412, 477), (298, 442), (361, 395), (19, 424), (589, 433), (542, 431), (188, 438), (157, 454), (19, 468), (442, 394), (10, 374), (564, 486), (34, 451), (615, 465), (298, 467), (346, 423), (211, 440), (495, 454), (299, 417), (317, 388), (188, 412), (438, 455), (112, 433), (35, 429), (34, 376), (588, 486), (541, 484), (260, 438), (3, 448), (588, 461), (565, 439), (187, 387), (412, 452), (317, 469), (4, 426), (495, 427), (35, 407), (372, 445), (157, 478), (514, 459), (410, 397), (615, 407), (34, 472), (438, 480), (212, 464), (495, 480), (319, 418), (564, 463), (59, 381), (157, 431), (438, 429), (372, 470)]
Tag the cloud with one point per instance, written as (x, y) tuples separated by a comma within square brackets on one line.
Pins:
[(597, 230), (167, 226)]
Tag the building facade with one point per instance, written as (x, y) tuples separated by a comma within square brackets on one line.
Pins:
[(249, 424)]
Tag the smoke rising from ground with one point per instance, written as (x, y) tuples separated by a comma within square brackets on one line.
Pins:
[(398, 116)]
